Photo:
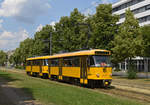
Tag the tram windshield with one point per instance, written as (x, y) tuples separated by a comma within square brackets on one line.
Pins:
[(100, 61)]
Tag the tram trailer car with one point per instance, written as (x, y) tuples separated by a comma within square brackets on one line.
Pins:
[(89, 67)]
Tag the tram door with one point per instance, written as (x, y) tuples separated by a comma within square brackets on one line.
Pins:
[(41, 63), (83, 73), (49, 68), (31, 67), (60, 69)]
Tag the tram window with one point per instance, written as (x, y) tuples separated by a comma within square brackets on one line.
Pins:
[(28, 63), (36, 62), (33, 62), (92, 61), (54, 62), (71, 62), (67, 62), (76, 61), (45, 62), (101, 61)]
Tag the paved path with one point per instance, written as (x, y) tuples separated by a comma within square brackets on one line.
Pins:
[(10, 95), (140, 75)]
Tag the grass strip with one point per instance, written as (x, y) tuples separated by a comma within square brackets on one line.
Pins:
[(51, 92)]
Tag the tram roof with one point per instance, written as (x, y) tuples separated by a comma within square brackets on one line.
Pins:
[(77, 53)]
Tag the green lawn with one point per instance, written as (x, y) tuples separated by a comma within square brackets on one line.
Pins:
[(47, 91)]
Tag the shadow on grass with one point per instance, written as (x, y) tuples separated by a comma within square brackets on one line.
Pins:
[(11, 95), (7, 78)]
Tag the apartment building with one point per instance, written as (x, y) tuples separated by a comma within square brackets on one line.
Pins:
[(140, 8)]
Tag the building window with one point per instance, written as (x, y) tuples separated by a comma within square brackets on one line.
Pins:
[(144, 19), (141, 20), (136, 11), (141, 10), (148, 18), (122, 15), (147, 7), (130, 3)]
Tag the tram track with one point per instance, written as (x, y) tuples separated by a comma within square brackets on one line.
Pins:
[(126, 93), (143, 86)]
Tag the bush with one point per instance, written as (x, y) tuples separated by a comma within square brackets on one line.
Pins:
[(19, 67), (117, 70), (132, 72)]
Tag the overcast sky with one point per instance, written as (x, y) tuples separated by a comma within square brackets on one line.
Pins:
[(20, 19)]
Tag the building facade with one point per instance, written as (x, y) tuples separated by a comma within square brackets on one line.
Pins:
[(140, 8), (141, 11)]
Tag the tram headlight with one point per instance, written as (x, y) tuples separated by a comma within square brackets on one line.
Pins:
[(98, 75)]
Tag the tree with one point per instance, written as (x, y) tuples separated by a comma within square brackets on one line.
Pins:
[(3, 58), (11, 60), (24, 51), (68, 33), (128, 42), (71, 33), (41, 39), (104, 27), (26, 48), (146, 40)]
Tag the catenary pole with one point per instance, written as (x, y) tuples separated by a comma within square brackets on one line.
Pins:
[(50, 43)]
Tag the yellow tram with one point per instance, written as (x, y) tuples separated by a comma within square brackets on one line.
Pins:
[(89, 67)]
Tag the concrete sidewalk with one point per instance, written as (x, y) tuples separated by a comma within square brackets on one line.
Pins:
[(124, 74)]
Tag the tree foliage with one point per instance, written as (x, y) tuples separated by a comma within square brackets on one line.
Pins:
[(146, 40), (71, 33), (68, 33), (41, 39), (3, 58), (128, 42), (103, 27), (24, 51)]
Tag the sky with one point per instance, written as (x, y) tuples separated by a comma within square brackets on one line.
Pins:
[(21, 19)]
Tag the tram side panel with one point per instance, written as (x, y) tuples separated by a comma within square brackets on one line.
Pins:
[(100, 73), (71, 67), (73, 72), (54, 68), (54, 71), (28, 69)]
